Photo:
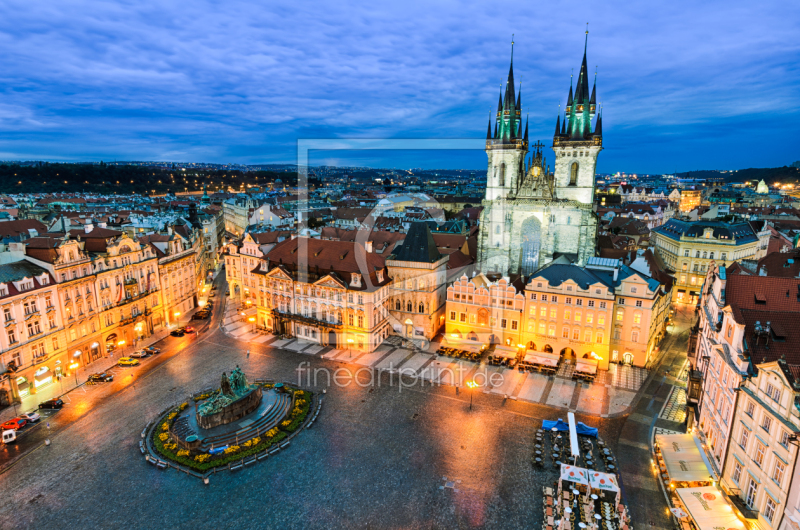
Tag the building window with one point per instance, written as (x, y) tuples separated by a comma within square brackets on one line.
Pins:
[(544, 296), (541, 328), (769, 509), (621, 301), (634, 336), (543, 312), (576, 334), (452, 315), (513, 324), (599, 337), (573, 174), (737, 471), (620, 315), (565, 333), (533, 296), (587, 337), (569, 299), (553, 312), (503, 323), (577, 316), (551, 331), (773, 392), (784, 441), (752, 489), (463, 317), (638, 303), (601, 319), (602, 305), (686, 253), (591, 303), (567, 314), (750, 409), (637, 318), (554, 298), (777, 473), (759, 457), (766, 423)]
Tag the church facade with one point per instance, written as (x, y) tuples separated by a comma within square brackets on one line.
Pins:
[(531, 214)]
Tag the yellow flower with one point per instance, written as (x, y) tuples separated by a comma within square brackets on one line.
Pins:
[(255, 441), (286, 423), (183, 452), (202, 458), (163, 436), (172, 415), (165, 426), (231, 449)]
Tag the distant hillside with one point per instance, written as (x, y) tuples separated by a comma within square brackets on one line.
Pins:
[(105, 179), (770, 175)]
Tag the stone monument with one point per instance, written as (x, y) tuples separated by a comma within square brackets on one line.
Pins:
[(234, 399)]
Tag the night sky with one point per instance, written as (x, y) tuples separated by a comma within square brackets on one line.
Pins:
[(684, 85)]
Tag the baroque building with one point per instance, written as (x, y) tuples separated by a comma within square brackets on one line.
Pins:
[(532, 215)]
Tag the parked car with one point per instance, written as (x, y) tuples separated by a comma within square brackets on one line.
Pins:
[(9, 436), (151, 350), (51, 404), (16, 423), (200, 315), (177, 332), (139, 354), (188, 329), (30, 417), (128, 361), (100, 378)]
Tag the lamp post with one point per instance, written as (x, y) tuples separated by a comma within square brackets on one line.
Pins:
[(176, 314), (252, 323), (471, 384), (350, 347), (74, 367)]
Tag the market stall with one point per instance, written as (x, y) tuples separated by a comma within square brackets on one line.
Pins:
[(681, 460), (708, 509)]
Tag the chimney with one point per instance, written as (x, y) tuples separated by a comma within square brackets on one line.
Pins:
[(616, 273), (368, 246), (88, 227)]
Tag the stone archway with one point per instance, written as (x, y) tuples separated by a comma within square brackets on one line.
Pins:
[(531, 239), (567, 353), (548, 348), (332, 341), (531, 345)]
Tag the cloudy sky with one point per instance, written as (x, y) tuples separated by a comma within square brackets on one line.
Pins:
[(684, 85)]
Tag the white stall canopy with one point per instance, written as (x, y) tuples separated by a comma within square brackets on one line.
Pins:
[(708, 509), (683, 459)]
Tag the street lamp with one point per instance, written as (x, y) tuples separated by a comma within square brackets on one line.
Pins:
[(350, 347), (252, 321), (74, 367), (471, 384)]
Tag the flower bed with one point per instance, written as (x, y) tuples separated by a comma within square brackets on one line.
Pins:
[(204, 461)]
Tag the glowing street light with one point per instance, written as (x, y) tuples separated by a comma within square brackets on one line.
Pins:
[(471, 384), (350, 347)]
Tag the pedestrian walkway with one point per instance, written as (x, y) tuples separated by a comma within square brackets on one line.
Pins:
[(675, 407), (611, 394)]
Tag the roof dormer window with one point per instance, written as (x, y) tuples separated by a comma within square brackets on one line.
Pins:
[(355, 279)]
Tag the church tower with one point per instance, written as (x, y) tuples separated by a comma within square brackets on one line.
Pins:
[(507, 146), (575, 144)]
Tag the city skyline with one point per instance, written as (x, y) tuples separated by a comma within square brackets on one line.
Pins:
[(243, 85)]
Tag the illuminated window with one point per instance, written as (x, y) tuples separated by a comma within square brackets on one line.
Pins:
[(637, 318), (577, 316), (576, 334), (620, 314), (601, 319), (565, 333), (567, 314), (599, 338)]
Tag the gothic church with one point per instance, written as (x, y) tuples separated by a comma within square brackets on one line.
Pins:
[(532, 215)]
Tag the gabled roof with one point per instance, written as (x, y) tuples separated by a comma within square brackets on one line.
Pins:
[(418, 246)]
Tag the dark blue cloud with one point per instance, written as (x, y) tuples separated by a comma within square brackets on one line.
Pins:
[(684, 85)]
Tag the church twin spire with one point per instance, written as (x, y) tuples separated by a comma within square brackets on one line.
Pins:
[(581, 109), (508, 125)]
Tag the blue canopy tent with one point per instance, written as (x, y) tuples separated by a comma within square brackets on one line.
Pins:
[(581, 428)]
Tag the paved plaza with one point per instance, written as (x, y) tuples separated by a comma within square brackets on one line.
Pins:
[(379, 456)]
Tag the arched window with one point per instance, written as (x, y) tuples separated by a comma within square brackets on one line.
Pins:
[(421, 307), (497, 229), (573, 174), (502, 175), (410, 307), (397, 305)]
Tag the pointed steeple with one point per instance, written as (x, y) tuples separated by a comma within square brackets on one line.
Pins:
[(500, 99), (598, 128), (593, 99), (495, 128), (569, 98), (582, 88), (558, 125), (489, 130), (564, 126), (526, 129), (519, 97)]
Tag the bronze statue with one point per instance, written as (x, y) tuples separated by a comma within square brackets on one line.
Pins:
[(225, 385)]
